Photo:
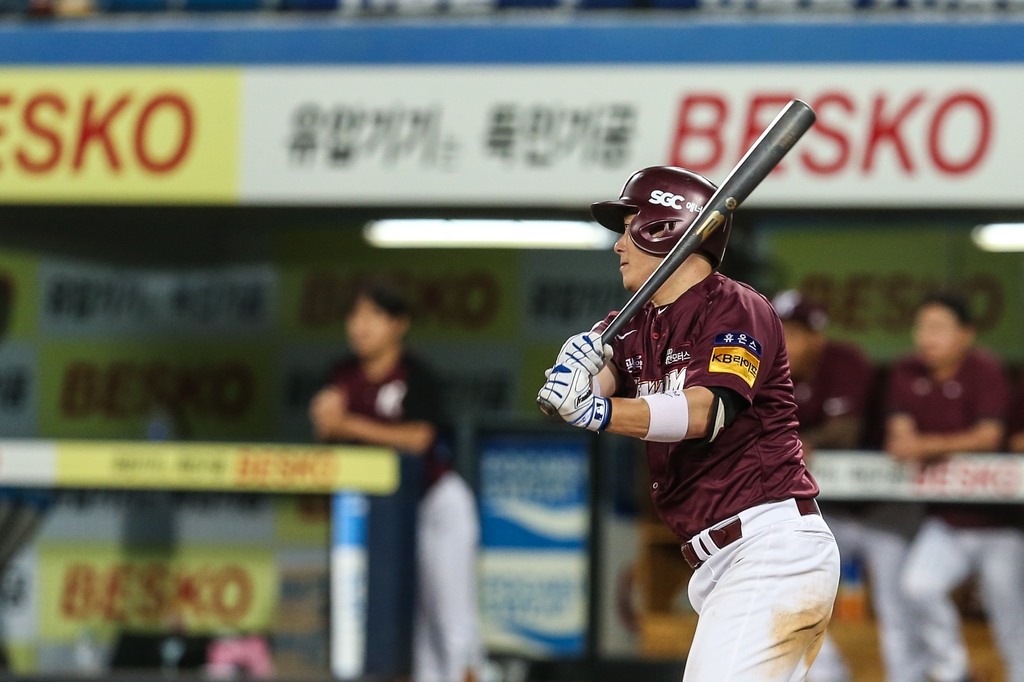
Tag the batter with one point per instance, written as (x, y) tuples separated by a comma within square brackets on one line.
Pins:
[(701, 374)]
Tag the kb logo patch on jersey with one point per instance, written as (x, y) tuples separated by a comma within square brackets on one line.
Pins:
[(736, 353)]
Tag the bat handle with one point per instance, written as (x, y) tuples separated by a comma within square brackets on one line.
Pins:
[(546, 407)]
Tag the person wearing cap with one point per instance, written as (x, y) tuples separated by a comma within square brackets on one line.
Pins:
[(386, 396), (831, 384), (701, 375), (950, 397)]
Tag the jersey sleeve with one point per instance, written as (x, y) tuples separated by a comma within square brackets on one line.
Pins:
[(423, 399), (847, 391), (738, 346), (991, 394)]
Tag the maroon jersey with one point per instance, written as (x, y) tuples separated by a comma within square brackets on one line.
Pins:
[(840, 386), (977, 392), (719, 333), (1015, 418), (410, 393)]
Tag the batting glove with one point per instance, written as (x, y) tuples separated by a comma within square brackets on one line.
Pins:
[(569, 390), (586, 349)]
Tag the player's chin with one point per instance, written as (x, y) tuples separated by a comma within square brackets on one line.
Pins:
[(629, 283)]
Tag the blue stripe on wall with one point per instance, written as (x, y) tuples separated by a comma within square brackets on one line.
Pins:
[(578, 40)]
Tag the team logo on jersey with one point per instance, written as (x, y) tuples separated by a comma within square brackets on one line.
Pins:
[(635, 364), (676, 356), (672, 381), (736, 353)]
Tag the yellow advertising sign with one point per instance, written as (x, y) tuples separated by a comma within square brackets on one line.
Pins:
[(199, 589), (210, 466), (122, 135)]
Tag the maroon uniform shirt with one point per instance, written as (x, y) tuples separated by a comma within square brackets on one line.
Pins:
[(1015, 419), (410, 393), (977, 392), (840, 386), (720, 333)]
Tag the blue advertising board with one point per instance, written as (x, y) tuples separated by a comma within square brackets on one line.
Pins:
[(534, 503)]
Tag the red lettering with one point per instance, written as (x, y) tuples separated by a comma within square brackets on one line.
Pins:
[(146, 159), (984, 119), (887, 129), (97, 129), (757, 122), (79, 585), (827, 101), (709, 131), (36, 128), (233, 594)]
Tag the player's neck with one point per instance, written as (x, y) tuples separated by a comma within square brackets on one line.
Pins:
[(692, 272), (378, 367), (943, 372)]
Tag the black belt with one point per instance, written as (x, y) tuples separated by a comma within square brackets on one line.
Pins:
[(733, 531)]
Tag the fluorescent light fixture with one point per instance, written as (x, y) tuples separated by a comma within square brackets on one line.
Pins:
[(488, 234), (999, 237)]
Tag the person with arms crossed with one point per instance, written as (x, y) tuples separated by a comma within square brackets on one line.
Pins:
[(386, 396), (701, 375), (949, 397), (831, 384)]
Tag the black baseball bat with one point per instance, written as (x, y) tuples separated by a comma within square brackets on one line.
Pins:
[(763, 156)]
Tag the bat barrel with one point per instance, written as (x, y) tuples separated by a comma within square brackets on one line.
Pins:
[(777, 139)]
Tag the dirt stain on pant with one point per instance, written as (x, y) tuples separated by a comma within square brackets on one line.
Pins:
[(795, 635)]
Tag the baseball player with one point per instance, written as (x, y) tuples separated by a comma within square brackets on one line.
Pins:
[(831, 383), (946, 398), (701, 375), (385, 396)]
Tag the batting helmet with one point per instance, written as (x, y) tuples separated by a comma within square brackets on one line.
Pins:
[(666, 201)]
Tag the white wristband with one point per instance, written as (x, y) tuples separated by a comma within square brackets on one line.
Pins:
[(670, 416)]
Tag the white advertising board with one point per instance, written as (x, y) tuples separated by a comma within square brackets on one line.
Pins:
[(887, 135)]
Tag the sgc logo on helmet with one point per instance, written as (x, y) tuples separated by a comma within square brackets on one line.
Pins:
[(664, 201)]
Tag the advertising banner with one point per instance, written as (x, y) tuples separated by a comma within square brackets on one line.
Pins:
[(207, 590), (235, 467), (861, 274), (534, 535), (119, 135), (897, 135), (81, 299), (107, 389), (887, 135), (875, 476)]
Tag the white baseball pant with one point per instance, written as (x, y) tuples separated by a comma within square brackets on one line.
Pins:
[(903, 652), (764, 600), (942, 557), (446, 635)]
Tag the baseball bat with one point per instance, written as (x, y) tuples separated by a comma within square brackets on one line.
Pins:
[(763, 156)]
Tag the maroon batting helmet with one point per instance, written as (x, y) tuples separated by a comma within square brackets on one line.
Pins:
[(666, 201)]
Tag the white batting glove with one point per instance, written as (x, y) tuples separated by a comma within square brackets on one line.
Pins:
[(586, 349), (569, 391)]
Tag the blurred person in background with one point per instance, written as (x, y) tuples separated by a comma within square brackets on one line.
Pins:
[(950, 397), (831, 384), (386, 396)]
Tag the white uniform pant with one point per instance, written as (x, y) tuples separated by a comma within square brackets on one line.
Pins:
[(884, 553), (941, 558), (446, 636), (764, 600)]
